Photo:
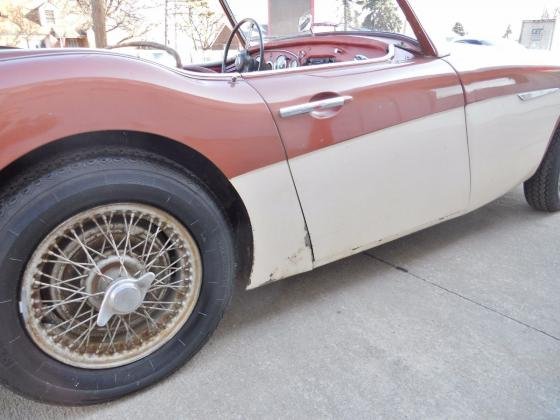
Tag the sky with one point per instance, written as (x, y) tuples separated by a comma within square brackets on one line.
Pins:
[(486, 19), (483, 18)]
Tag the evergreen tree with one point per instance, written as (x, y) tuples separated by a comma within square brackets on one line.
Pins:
[(382, 15), (459, 29)]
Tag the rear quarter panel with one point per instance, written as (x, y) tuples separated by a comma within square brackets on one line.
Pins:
[(508, 137)]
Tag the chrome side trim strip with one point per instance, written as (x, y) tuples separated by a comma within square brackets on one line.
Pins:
[(527, 96)]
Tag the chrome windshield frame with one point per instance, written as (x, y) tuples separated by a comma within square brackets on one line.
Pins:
[(231, 18), (426, 44)]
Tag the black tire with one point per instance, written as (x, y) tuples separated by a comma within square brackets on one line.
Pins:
[(50, 193), (542, 190)]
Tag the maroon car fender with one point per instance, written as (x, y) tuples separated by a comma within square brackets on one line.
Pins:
[(52, 96), (48, 96)]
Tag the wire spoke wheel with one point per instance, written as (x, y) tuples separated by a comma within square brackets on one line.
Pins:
[(117, 265), (111, 285)]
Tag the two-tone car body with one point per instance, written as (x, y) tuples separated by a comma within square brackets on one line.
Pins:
[(133, 194)]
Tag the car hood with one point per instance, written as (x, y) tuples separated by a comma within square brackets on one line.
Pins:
[(519, 55), (473, 56)]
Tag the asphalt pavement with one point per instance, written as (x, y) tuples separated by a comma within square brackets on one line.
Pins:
[(458, 321)]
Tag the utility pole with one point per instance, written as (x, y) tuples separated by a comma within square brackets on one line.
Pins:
[(166, 23), (346, 7), (173, 9), (175, 13), (98, 14)]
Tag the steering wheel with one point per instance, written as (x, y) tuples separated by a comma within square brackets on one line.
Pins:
[(152, 45), (244, 62)]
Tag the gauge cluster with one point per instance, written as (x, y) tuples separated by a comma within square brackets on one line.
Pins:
[(286, 61), (283, 61)]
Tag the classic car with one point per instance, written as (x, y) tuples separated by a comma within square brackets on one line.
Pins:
[(134, 196)]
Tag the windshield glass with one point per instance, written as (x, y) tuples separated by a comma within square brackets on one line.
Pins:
[(197, 29), (288, 18)]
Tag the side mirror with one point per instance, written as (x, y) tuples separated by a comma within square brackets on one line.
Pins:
[(305, 23)]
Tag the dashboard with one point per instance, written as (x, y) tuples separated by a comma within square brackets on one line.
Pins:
[(308, 51), (322, 49)]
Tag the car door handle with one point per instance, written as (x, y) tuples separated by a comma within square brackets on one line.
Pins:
[(315, 106)]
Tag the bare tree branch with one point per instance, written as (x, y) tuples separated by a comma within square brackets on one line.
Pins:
[(23, 27), (121, 15), (200, 22)]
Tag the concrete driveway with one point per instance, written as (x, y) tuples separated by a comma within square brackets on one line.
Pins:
[(459, 321)]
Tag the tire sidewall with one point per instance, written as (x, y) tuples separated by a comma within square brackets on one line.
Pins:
[(28, 217), (554, 180)]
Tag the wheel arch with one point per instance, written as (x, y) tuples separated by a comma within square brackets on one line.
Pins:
[(175, 151)]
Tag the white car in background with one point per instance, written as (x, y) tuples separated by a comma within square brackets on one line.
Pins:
[(501, 43)]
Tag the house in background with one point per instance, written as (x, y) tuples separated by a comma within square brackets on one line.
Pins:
[(222, 36), (39, 24)]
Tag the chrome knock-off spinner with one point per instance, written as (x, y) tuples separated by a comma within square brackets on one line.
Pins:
[(124, 297)]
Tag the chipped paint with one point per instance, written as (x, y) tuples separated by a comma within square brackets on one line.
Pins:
[(282, 246)]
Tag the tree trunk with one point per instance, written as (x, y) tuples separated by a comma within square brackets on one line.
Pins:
[(98, 14)]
